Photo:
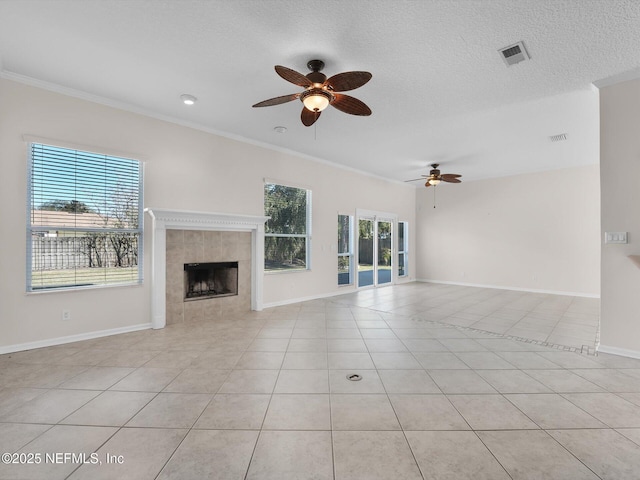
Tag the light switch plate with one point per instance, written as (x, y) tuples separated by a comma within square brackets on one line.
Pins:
[(615, 237)]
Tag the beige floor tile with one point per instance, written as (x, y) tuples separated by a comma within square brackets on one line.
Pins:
[(373, 456), (454, 456), (14, 436), (570, 360), (528, 455), (362, 412), (395, 361), (216, 360), (260, 361), (171, 410), (111, 409), (484, 361), (12, 398), (305, 361), (97, 378), (563, 381), (528, 360), (377, 333), (388, 345), (211, 454), (146, 379), (370, 382), (407, 381), (302, 381), (609, 408), (298, 412), (440, 361), (292, 455), (307, 345), (50, 407), (490, 412), (129, 358), (143, 451), (250, 381), (416, 345), (309, 332), (607, 453), (234, 412), (269, 345), (275, 333), (460, 381), (553, 411), (351, 345), (173, 359), (427, 412), (193, 380), (343, 333), (632, 434), (512, 381), (610, 379), (346, 360), (60, 439), (45, 376)]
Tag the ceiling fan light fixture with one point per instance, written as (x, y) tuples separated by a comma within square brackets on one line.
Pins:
[(316, 100), (434, 181)]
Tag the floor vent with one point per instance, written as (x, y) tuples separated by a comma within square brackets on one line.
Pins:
[(513, 54)]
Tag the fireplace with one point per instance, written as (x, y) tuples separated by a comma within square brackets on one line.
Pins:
[(210, 280), (180, 237)]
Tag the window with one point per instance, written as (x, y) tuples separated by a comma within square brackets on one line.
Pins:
[(403, 239), (288, 231), (345, 250), (85, 219)]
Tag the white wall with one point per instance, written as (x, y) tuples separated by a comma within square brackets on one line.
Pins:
[(184, 169), (535, 232), (620, 183)]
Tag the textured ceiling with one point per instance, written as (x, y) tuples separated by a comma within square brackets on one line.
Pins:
[(440, 91)]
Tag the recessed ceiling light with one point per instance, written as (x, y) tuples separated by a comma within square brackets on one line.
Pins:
[(188, 99), (280, 129)]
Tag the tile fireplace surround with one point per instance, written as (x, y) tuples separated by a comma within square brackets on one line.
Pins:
[(180, 237)]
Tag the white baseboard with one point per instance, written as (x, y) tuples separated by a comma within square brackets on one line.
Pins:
[(517, 289), (306, 299), (344, 290), (72, 338), (623, 352)]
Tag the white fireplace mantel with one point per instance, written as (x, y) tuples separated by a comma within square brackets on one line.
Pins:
[(163, 219)]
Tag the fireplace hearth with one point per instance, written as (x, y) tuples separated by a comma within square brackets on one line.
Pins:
[(210, 280)]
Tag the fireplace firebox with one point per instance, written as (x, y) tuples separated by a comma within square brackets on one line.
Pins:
[(210, 280)]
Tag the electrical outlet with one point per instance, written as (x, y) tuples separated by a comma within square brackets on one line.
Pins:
[(66, 315)]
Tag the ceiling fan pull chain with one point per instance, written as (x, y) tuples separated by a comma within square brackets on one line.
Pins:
[(434, 196)]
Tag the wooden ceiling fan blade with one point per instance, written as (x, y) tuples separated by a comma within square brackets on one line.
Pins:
[(277, 100), (343, 82), (427, 184), (450, 180), (350, 105), (414, 180), (451, 175), (308, 117), (293, 76)]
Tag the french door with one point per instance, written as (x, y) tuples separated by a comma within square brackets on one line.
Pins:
[(375, 250)]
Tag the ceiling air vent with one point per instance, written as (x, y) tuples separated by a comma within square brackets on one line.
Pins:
[(558, 138), (513, 54)]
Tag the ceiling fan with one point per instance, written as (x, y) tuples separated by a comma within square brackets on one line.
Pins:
[(320, 92), (435, 177)]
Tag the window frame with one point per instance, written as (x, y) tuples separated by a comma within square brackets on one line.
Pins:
[(350, 253), (403, 248), (30, 229), (306, 236)]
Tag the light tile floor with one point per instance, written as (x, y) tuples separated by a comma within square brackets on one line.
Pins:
[(265, 396)]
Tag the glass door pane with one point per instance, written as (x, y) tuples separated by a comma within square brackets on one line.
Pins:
[(365, 252), (384, 252)]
